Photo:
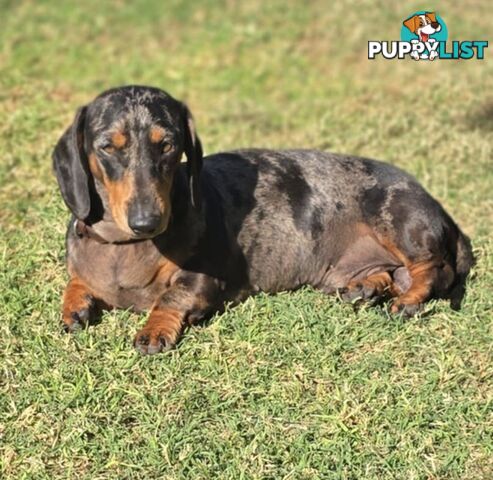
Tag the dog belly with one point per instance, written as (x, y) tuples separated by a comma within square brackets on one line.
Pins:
[(322, 266), (274, 268)]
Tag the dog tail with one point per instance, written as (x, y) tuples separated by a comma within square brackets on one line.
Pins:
[(464, 262)]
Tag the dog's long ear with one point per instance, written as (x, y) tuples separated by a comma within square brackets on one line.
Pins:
[(193, 151), (71, 167), (412, 23), (432, 16)]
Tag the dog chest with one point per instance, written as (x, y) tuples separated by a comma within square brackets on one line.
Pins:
[(125, 276)]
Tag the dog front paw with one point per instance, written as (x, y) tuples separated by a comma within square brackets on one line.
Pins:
[(149, 341), (357, 292), (160, 333), (78, 315), (406, 310)]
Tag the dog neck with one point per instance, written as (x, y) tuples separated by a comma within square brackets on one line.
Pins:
[(83, 230)]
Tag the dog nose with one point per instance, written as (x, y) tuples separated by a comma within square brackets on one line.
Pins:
[(435, 24), (144, 224)]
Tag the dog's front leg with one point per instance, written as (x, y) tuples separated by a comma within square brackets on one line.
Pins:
[(190, 297), (79, 305)]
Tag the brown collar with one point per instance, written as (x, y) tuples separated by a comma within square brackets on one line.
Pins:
[(83, 230)]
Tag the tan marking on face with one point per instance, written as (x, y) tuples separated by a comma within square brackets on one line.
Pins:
[(119, 194), (157, 134), (118, 139), (163, 191), (94, 166)]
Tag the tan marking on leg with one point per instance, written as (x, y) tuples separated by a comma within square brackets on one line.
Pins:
[(423, 275), (382, 283), (394, 250), (94, 166), (164, 197), (76, 298), (167, 321), (166, 271), (161, 331)]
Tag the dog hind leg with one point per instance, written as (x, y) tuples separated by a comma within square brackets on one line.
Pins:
[(373, 288), (427, 278)]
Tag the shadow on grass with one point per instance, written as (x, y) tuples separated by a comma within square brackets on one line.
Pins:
[(481, 117)]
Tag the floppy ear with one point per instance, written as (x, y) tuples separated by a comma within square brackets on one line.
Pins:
[(412, 23), (193, 151), (71, 168), (432, 16)]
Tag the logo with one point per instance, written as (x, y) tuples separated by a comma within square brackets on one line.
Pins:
[(424, 36)]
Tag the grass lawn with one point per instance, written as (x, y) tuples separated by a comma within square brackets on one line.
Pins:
[(292, 386)]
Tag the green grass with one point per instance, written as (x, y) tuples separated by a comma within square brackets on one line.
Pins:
[(293, 386)]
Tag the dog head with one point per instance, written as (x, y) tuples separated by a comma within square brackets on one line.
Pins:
[(423, 25), (121, 152)]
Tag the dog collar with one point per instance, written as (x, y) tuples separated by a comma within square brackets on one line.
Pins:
[(82, 230)]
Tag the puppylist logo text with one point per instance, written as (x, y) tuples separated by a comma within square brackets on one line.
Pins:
[(424, 37)]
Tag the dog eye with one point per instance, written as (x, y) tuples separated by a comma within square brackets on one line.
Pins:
[(166, 147), (109, 149)]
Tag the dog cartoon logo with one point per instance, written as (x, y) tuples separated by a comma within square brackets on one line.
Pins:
[(423, 25), (424, 35)]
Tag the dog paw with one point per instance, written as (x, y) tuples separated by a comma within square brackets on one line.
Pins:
[(406, 310), (433, 55), (357, 292), (78, 320), (151, 341), (74, 320)]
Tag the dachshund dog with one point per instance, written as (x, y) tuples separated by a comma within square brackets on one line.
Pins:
[(180, 239)]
